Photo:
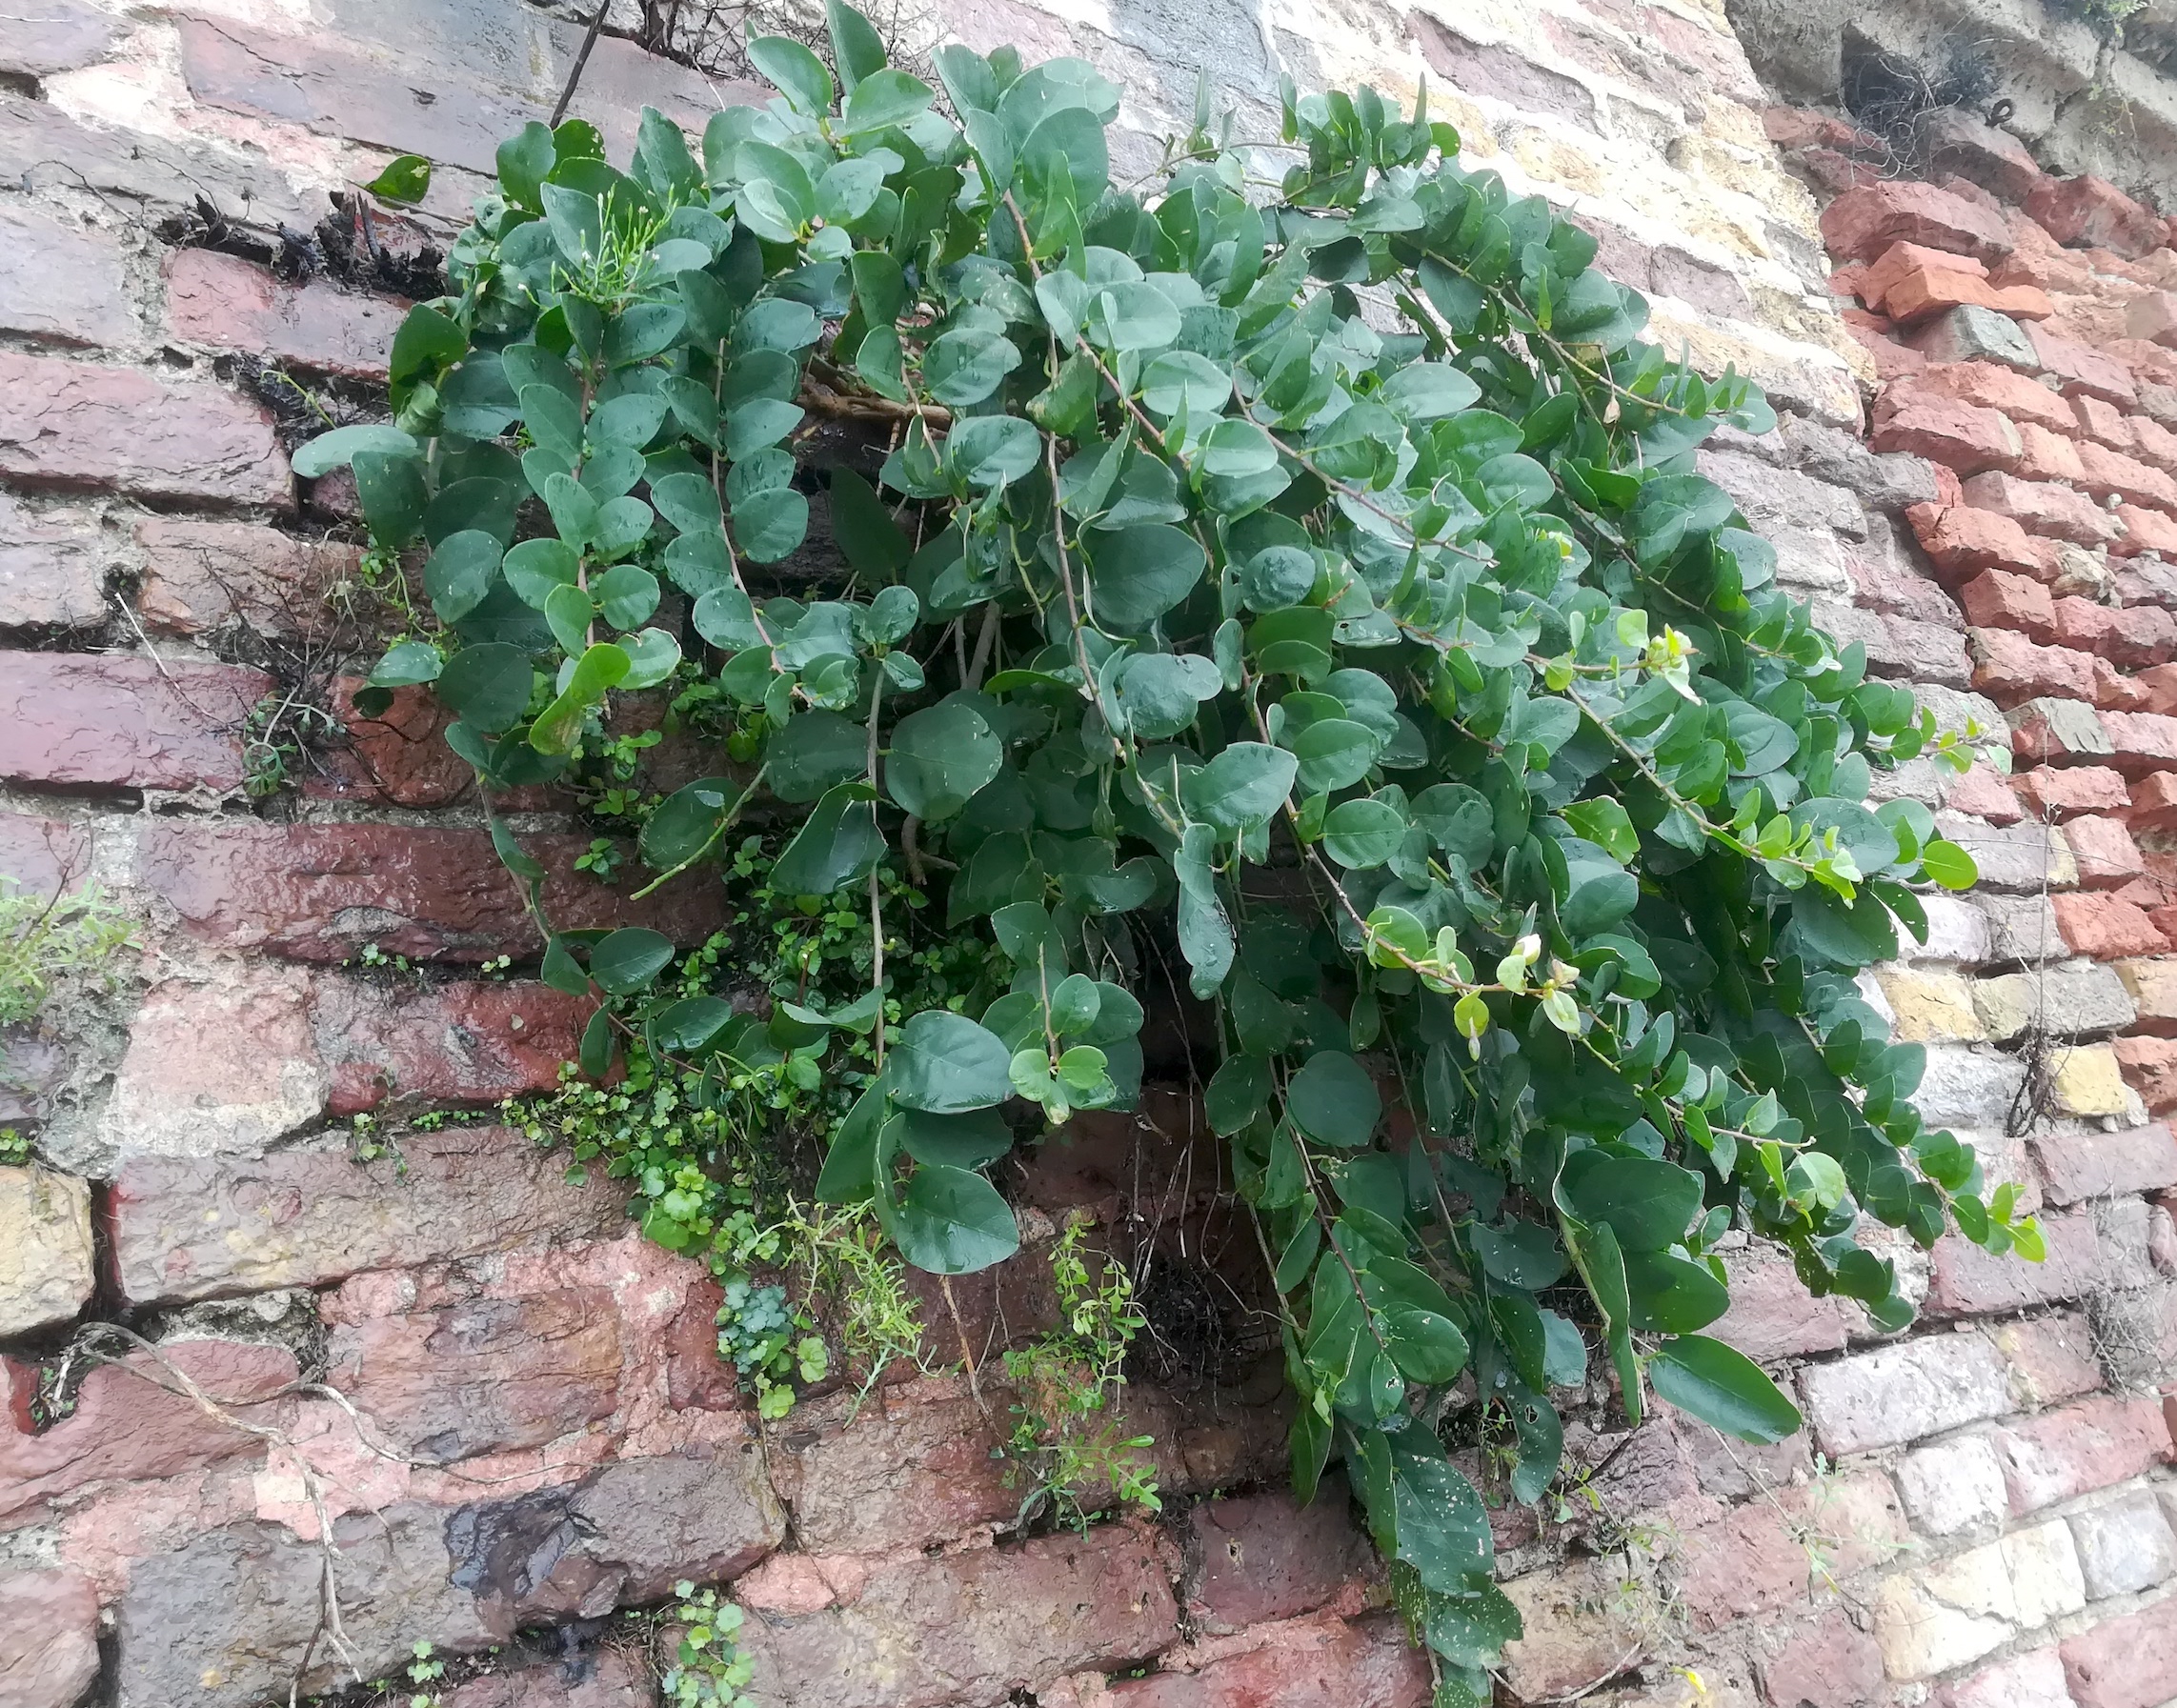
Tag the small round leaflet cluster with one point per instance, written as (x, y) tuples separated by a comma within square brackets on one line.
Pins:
[(1407, 689)]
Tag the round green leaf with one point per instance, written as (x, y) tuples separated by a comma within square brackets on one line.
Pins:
[(1362, 833), (971, 1140), (629, 958), (814, 752), (1332, 1100), (1243, 787), (487, 687), (940, 759), (1135, 575), (1949, 865), (946, 1064), (950, 1223)]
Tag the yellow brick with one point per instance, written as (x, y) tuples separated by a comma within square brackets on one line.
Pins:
[(1931, 1008), (2089, 1082)]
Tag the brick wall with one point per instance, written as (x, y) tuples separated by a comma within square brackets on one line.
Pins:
[(521, 1425)]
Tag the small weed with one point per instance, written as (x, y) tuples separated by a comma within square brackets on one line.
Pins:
[(46, 941), (709, 1668)]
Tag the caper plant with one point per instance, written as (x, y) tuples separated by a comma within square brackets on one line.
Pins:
[(1307, 577)]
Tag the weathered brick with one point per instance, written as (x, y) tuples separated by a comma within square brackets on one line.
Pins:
[(2141, 741), (206, 1227), (2144, 531), (596, 1679), (1902, 259), (985, 1623), (2153, 316), (1995, 599), (2137, 1331), (2062, 793), (1941, 1615), (2028, 856), (129, 1423), (2089, 1082), (2078, 369), (2153, 443), (2103, 422), (1959, 435), (52, 568), (2043, 506), (2153, 803), (1575, 1630), (2129, 1662), (463, 1042), (2011, 669), (1923, 293), (1744, 1564), (1990, 386), (1962, 541), (1772, 1315), (45, 1249), (226, 302), (62, 280), (2107, 857), (158, 173), (2075, 1167), (1261, 1557), (319, 891), (2068, 1001), (62, 36), (1982, 793), (1958, 931), (2047, 455), (1931, 1006), (77, 720), (72, 423), (2095, 1444), (2105, 929), (1957, 141), (2112, 475), (2149, 1066), (1967, 1087), (2033, 1680), (1303, 1664), (1898, 1394), (2090, 212), (1973, 333), (1966, 1280), (203, 576), (483, 1374), (1862, 223), (2124, 1545), (1954, 1489), (49, 1647), (2152, 983), (2051, 1357), (1774, 497), (2049, 731)]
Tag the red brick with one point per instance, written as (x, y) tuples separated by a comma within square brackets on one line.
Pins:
[(1922, 292), (453, 1043), (85, 720), (1802, 127), (2060, 794), (399, 757), (127, 1426), (1301, 1664), (1262, 1557), (320, 892), (2078, 369), (2110, 473), (1862, 223), (2103, 421), (1772, 1315), (1983, 794), (1958, 436), (1962, 541), (1873, 280), (1828, 1663), (483, 1374), (1892, 360), (2047, 455), (72, 423), (1965, 1280), (2130, 1662), (2153, 317), (63, 280), (2087, 211), (2150, 1069), (2009, 669), (203, 576), (2153, 443), (230, 304), (2043, 508), (2051, 269), (2107, 858), (1994, 160), (2116, 692), (2050, 1358), (2144, 531), (2155, 798), (1995, 599), (2084, 624), (52, 568), (44, 855), (49, 1648), (1992, 387), (2104, 928), (2075, 1167), (215, 1226), (2059, 1454)]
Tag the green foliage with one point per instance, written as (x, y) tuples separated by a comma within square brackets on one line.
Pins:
[(1078, 1458), (1179, 568), (709, 1669), (47, 941)]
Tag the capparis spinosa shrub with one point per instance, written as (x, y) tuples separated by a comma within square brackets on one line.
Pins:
[(1408, 685)]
